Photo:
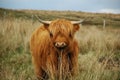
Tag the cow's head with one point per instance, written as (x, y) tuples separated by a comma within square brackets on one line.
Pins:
[(61, 31)]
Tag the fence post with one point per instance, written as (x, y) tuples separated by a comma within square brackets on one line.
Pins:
[(4, 14), (104, 23), (32, 19)]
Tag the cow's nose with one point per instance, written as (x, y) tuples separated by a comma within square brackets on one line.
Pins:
[(60, 45)]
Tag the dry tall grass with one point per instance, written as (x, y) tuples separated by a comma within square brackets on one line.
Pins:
[(15, 59), (99, 57), (100, 53)]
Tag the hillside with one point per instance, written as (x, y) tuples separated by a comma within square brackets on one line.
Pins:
[(99, 49), (90, 18)]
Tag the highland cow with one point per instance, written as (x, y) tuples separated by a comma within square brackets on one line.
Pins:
[(55, 50)]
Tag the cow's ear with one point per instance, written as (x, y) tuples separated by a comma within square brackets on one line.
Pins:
[(76, 27), (46, 25)]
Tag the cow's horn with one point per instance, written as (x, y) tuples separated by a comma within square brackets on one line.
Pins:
[(42, 21), (77, 22)]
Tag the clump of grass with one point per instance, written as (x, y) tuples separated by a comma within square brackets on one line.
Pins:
[(99, 57)]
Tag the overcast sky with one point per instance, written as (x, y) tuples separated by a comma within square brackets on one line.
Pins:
[(108, 6)]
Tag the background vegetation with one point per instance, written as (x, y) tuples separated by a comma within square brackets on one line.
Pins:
[(90, 18), (99, 57)]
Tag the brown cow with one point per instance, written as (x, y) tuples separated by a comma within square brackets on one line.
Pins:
[(54, 49)]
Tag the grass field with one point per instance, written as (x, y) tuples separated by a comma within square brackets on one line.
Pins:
[(99, 56)]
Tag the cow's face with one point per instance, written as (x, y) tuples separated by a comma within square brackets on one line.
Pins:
[(62, 33)]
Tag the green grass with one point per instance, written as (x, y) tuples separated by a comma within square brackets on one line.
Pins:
[(16, 65)]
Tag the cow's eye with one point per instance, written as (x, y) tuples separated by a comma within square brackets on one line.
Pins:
[(70, 35), (51, 35)]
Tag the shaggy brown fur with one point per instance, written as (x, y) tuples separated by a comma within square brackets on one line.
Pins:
[(50, 62)]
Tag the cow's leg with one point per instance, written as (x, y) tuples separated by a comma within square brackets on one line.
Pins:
[(38, 70), (52, 67), (40, 73), (74, 60)]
